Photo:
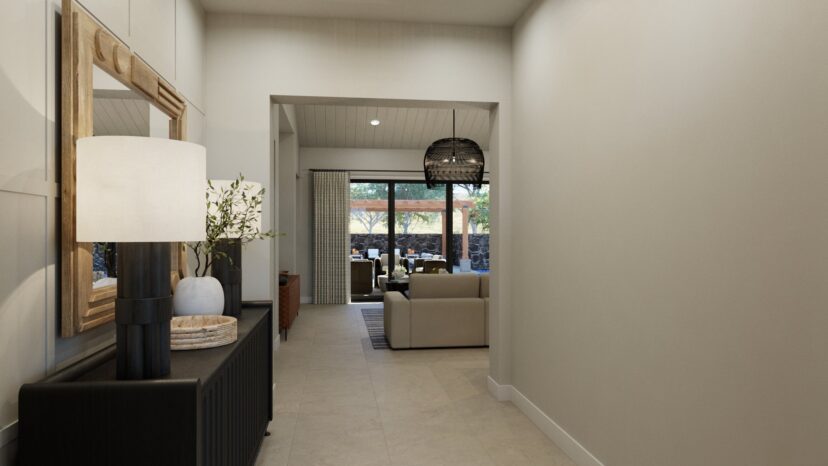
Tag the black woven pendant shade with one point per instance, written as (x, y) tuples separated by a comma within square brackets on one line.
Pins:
[(453, 160)]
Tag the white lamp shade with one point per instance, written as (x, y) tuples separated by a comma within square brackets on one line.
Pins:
[(250, 188), (139, 189)]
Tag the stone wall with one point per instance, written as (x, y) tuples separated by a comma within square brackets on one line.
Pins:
[(431, 243)]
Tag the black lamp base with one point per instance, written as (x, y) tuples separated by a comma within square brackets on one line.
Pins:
[(227, 269), (143, 311)]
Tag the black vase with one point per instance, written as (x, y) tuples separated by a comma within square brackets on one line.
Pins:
[(227, 269)]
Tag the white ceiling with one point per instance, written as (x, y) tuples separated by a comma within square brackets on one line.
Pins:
[(120, 113), (348, 126), (476, 12)]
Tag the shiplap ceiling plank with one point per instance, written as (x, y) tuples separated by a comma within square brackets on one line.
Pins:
[(330, 125), (120, 117), (392, 120), (361, 115), (338, 125), (300, 117), (319, 126), (351, 131), (341, 117)]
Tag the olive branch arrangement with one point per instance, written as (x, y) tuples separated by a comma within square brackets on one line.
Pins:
[(231, 215)]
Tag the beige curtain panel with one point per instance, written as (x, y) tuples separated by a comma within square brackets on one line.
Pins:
[(331, 215)]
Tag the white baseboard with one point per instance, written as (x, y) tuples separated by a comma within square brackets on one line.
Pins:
[(576, 452), (305, 300), (500, 392), (277, 342), (8, 434)]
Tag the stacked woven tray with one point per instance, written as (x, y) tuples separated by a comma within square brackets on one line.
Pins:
[(199, 332)]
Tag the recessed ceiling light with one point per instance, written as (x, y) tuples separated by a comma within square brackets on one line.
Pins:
[(375, 122)]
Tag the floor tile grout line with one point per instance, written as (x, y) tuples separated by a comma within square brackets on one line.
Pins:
[(465, 421), (379, 412)]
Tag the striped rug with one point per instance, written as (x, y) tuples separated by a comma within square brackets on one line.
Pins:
[(374, 322)]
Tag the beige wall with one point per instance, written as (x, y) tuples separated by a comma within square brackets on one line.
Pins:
[(29, 286), (670, 168), (251, 58)]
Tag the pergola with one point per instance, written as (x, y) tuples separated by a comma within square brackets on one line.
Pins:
[(380, 205)]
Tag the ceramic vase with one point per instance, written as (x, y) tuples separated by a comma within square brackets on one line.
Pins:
[(198, 296)]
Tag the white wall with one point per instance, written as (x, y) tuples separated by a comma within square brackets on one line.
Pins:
[(670, 167), (29, 150), (251, 58), (288, 173)]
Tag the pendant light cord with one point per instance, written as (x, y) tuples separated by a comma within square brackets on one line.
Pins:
[(453, 136)]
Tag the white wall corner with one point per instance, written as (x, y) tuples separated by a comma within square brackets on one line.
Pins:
[(576, 452), (499, 392)]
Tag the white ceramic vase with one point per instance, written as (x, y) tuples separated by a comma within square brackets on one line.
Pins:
[(198, 296)]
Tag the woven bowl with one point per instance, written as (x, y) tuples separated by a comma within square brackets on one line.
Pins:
[(199, 332)]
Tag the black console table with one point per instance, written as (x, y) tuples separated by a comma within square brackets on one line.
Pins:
[(213, 408)]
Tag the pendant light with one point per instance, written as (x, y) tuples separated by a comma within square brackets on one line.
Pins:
[(453, 160)]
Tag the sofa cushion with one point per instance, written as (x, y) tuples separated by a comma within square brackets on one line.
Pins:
[(486, 317), (447, 322), (484, 285), (435, 286), (397, 320)]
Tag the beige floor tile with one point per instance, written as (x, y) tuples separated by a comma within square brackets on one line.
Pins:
[(410, 388), (289, 375), (287, 397), (275, 448), (340, 402), (431, 437), (355, 438)]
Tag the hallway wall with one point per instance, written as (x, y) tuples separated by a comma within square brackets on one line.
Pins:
[(29, 190), (671, 157), (251, 58)]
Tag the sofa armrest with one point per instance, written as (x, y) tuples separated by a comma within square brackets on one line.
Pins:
[(487, 317), (397, 320)]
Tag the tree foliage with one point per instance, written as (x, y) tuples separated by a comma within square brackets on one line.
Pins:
[(479, 214), (416, 192), (369, 191), (369, 219)]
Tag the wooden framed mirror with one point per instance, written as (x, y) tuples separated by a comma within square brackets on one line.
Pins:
[(106, 90)]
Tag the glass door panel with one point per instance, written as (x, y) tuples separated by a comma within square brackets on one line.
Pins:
[(470, 228), (369, 219), (420, 226), (369, 235)]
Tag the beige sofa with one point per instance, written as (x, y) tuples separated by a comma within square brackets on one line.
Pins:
[(441, 310)]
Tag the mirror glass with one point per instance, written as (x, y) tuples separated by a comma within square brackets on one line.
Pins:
[(119, 111)]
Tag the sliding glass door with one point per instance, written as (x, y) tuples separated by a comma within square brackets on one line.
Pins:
[(407, 224), (470, 228), (369, 219), (420, 225)]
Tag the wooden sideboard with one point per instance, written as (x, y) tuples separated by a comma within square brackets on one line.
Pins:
[(288, 302), (213, 408)]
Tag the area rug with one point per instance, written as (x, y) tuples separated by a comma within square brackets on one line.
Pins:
[(375, 323)]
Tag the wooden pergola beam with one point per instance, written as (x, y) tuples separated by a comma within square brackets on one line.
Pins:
[(381, 205), (422, 205)]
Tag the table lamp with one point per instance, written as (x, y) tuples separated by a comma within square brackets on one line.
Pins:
[(141, 193), (227, 269)]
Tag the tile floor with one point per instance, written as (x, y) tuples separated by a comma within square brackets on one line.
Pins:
[(340, 402)]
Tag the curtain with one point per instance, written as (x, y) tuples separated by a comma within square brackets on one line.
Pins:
[(331, 218)]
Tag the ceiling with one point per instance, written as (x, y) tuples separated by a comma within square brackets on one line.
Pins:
[(471, 12), (348, 126), (120, 113)]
